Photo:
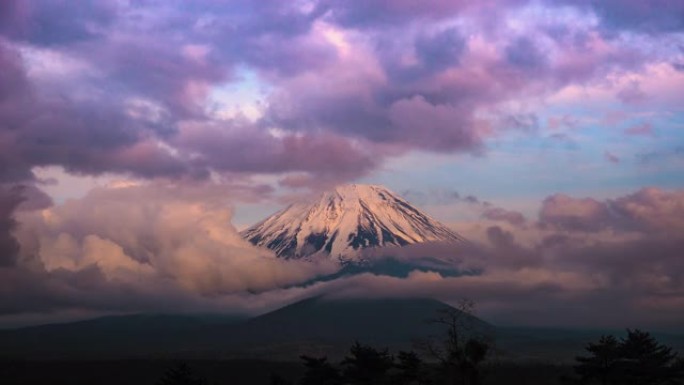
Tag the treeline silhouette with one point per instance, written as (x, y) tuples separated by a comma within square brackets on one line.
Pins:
[(366, 365), (637, 359), (455, 358)]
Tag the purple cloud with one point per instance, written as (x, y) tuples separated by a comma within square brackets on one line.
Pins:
[(239, 146), (93, 262), (54, 22), (658, 16), (564, 212), (635, 269), (440, 50), (128, 88), (500, 214), (632, 94), (643, 129), (524, 54), (602, 273), (363, 14), (649, 210), (151, 67), (10, 198)]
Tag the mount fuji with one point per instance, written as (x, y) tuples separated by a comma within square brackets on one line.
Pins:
[(345, 221)]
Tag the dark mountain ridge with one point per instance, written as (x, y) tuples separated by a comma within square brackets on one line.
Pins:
[(314, 325)]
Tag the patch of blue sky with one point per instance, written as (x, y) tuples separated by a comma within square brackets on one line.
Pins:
[(242, 96), (520, 170), (248, 214)]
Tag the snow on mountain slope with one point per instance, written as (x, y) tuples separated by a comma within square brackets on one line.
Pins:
[(345, 220)]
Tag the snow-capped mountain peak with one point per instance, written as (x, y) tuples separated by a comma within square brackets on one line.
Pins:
[(345, 220)]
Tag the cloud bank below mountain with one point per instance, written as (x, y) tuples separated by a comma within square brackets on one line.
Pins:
[(158, 247)]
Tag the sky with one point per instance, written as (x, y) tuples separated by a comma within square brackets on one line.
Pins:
[(138, 137)]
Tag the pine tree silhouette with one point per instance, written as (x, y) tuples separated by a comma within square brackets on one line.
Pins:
[(366, 365), (601, 365), (645, 361), (410, 369), (637, 359), (319, 372)]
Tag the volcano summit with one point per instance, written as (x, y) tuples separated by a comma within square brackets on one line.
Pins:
[(344, 221)]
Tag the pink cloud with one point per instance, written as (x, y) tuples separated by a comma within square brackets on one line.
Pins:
[(643, 129), (632, 94), (176, 237), (571, 213), (647, 210), (500, 214), (347, 84)]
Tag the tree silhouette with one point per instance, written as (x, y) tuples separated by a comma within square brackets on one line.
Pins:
[(319, 372), (645, 361), (601, 365), (366, 365), (461, 350), (637, 359), (181, 374), (410, 369)]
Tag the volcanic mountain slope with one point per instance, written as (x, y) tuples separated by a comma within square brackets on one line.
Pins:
[(318, 325), (344, 221)]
